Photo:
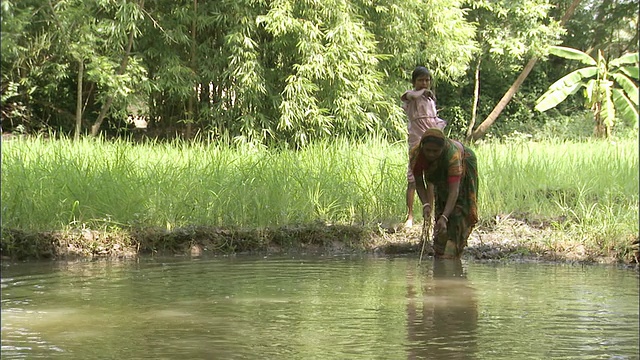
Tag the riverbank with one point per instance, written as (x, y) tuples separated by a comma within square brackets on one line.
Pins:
[(509, 239), (119, 199)]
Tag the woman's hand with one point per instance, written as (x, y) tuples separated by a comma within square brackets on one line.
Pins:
[(426, 211), (441, 225)]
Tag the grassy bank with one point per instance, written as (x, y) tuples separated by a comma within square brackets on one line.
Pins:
[(584, 193)]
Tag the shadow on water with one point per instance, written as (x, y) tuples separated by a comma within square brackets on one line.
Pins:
[(442, 314)]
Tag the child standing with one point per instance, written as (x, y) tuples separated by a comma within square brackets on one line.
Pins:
[(420, 106)]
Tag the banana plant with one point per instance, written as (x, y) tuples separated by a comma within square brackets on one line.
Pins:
[(609, 89)]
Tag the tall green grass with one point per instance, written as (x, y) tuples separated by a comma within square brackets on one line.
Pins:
[(589, 188), (54, 184)]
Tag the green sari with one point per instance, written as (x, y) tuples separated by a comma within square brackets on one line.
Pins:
[(465, 213)]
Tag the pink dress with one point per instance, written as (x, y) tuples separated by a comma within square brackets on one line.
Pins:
[(422, 115)]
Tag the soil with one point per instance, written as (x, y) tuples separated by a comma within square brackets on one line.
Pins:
[(510, 240)]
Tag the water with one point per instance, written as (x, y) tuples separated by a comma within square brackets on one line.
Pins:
[(317, 308)]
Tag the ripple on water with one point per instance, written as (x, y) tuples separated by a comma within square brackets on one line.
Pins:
[(319, 307)]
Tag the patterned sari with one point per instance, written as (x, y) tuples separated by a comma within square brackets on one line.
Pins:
[(456, 160)]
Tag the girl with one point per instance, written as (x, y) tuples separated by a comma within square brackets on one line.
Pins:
[(420, 106)]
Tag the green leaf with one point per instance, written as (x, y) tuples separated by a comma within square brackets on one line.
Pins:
[(630, 71), (564, 87), (554, 97), (608, 113), (627, 111), (628, 85), (574, 77), (631, 58), (572, 54), (590, 92)]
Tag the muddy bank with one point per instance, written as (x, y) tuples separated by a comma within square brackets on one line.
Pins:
[(507, 241)]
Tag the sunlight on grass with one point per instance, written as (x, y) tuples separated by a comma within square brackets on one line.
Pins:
[(588, 188)]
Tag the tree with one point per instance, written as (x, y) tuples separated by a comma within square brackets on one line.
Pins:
[(129, 13), (482, 129), (297, 71), (249, 70), (52, 49), (607, 25), (608, 86), (508, 32)]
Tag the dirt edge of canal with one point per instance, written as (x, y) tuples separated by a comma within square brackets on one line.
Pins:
[(507, 241)]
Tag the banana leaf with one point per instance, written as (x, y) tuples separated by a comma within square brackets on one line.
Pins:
[(630, 71), (572, 54), (628, 86), (590, 92), (608, 111), (567, 85), (631, 59), (626, 110)]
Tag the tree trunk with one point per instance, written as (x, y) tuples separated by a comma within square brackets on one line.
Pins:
[(476, 95), (79, 100), (599, 129), (123, 66), (484, 126), (190, 105)]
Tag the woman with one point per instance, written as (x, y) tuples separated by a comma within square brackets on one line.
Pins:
[(420, 106), (449, 170)]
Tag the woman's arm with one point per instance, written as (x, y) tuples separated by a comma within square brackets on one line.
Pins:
[(441, 222), (425, 195)]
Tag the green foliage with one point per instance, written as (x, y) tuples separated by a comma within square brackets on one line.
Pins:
[(610, 26), (292, 71), (45, 44), (507, 33), (600, 94), (271, 72), (514, 30), (95, 184)]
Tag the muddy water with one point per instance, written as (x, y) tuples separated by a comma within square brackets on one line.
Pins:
[(317, 308)]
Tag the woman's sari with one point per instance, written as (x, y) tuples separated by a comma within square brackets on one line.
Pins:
[(456, 159)]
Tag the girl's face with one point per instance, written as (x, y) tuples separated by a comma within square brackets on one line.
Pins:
[(422, 82), (431, 151)]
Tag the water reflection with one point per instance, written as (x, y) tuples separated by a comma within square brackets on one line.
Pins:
[(442, 314), (314, 308)]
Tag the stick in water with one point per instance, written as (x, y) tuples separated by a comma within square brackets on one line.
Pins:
[(426, 224)]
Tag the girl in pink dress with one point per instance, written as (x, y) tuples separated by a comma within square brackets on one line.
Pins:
[(420, 106)]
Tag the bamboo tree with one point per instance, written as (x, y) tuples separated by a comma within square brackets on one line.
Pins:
[(71, 27), (130, 15), (190, 107)]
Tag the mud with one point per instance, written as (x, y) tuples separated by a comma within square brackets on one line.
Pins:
[(507, 241)]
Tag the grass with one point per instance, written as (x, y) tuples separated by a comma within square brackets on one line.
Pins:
[(587, 190), (58, 184)]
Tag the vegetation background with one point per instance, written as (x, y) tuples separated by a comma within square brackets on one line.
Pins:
[(274, 112), (286, 71)]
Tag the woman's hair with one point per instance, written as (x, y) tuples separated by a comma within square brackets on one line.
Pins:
[(433, 135), (432, 139), (419, 71)]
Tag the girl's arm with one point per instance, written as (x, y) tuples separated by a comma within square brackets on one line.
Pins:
[(429, 94), (412, 94)]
